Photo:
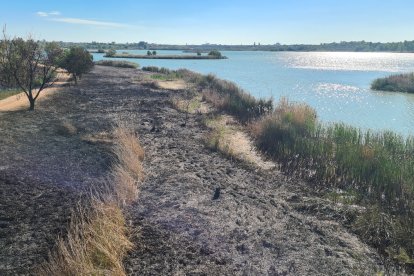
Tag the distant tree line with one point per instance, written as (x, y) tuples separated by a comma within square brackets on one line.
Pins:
[(343, 46)]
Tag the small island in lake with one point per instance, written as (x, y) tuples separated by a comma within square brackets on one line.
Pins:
[(153, 55), (395, 83)]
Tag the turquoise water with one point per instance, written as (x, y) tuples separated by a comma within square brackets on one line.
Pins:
[(335, 84)]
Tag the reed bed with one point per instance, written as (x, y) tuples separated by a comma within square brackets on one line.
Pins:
[(378, 166)]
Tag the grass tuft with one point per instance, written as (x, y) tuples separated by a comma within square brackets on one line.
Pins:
[(97, 238)]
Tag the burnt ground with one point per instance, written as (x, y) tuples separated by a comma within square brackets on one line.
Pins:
[(199, 213)]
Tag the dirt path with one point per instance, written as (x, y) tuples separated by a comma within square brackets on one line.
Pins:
[(19, 101), (199, 213)]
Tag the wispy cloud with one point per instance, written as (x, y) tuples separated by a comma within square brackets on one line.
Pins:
[(56, 16), (46, 14), (81, 21)]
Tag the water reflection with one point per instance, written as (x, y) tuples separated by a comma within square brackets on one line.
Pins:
[(337, 85)]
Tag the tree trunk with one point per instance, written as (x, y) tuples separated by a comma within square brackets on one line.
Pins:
[(31, 108), (75, 78), (32, 103)]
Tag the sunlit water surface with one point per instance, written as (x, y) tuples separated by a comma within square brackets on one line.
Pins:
[(337, 85)]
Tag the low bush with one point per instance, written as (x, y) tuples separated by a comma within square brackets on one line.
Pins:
[(229, 97), (117, 63), (156, 69)]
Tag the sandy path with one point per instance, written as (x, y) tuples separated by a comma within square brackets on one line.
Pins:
[(19, 101)]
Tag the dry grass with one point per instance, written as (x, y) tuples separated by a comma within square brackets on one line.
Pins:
[(193, 105), (172, 84), (128, 171), (97, 238), (227, 137), (66, 128), (95, 244)]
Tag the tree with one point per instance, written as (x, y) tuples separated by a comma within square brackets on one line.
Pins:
[(154, 53), (149, 53), (77, 61), (215, 53), (28, 65)]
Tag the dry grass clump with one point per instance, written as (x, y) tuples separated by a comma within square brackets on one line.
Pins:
[(218, 140), (66, 128), (95, 244), (97, 238), (128, 171)]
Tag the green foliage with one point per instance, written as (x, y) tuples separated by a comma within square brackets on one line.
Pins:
[(215, 53), (117, 63), (149, 53), (395, 83), (156, 69), (77, 61), (154, 53)]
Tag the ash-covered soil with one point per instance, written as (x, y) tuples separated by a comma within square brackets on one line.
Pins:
[(199, 213)]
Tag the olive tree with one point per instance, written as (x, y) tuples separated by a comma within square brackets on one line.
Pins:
[(77, 61), (28, 65)]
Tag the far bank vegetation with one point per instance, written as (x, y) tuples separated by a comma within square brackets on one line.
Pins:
[(395, 83)]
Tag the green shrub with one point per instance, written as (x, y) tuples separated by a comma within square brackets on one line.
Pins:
[(156, 69), (229, 97), (215, 53), (117, 63), (77, 61)]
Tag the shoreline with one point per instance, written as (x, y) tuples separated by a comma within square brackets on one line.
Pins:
[(256, 217), (166, 57)]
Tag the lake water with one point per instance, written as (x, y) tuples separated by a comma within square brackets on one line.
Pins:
[(335, 84)]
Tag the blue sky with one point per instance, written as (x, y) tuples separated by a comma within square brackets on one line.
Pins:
[(211, 21)]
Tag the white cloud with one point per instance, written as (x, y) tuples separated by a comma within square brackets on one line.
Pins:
[(46, 14), (42, 14), (80, 21), (56, 16)]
